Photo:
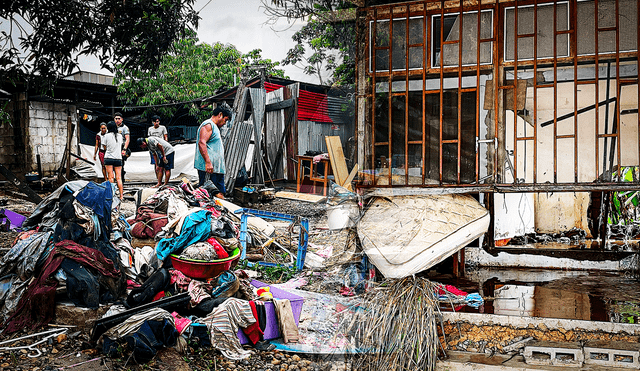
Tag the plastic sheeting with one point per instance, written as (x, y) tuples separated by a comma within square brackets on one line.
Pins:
[(140, 169), (25, 254)]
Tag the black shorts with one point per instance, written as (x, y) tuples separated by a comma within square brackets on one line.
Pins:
[(112, 162), (169, 164)]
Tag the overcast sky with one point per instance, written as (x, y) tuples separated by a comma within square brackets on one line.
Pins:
[(241, 23)]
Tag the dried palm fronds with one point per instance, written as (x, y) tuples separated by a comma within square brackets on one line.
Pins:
[(397, 326)]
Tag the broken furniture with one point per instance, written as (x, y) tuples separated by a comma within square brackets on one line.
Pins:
[(303, 239), (309, 178)]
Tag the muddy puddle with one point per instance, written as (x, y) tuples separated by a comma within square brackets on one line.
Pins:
[(580, 295)]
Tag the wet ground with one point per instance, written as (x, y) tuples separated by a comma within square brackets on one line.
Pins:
[(581, 295)]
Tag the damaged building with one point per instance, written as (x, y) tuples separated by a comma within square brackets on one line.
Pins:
[(530, 106)]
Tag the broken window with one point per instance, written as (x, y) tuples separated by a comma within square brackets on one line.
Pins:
[(449, 32)]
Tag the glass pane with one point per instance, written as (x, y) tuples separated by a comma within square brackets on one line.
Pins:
[(544, 34), (382, 33), (382, 118), (606, 13), (449, 115), (415, 115), (416, 35), (586, 28), (415, 57), (468, 138), (432, 135), (382, 153), (398, 139), (628, 25), (382, 60), (414, 163), (399, 44), (607, 42), (450, 162), (450, 54)]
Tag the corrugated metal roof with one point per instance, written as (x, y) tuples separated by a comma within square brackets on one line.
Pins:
[(311, 106)]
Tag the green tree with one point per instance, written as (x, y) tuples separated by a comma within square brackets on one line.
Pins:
[(190, 72), (326, 42), (43, 38)]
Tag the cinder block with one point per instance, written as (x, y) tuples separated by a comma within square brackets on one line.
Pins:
[(612, 354), (554, 354)]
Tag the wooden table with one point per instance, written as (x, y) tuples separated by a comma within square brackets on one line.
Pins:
[(308, 175)]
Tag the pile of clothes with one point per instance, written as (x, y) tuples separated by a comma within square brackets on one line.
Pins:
[(77, 238), (65, 243)]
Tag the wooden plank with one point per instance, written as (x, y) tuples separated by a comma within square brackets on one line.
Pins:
[(306, 197), (279, 105), (347, 183), (338, 163)]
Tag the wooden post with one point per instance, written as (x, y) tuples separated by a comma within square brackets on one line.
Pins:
[(67, 148)]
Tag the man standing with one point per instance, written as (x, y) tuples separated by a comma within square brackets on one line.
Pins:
[(209, 157), (158, 131), (124, 131), (163, 154)]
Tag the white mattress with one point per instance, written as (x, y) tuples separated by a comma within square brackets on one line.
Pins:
[(404, 235)]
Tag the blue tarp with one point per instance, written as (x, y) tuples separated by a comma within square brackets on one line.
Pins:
[(98, 197), (196, 228)]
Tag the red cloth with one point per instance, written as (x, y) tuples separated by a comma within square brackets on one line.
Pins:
[(36, 307), (220, 251), (148, 224), (253, 331), (451, 289)]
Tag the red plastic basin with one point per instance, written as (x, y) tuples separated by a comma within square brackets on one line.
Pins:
[(202, 269)]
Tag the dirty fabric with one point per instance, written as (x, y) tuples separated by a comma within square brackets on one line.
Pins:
[(50, 204), (223, 324), (145, 293), (144, 343), (254, 332), (37, 305), (200, 251), (196, 227), (25, 254), (198, 290), (133, 323), (98, 197), (11, 297), (226, 286), (286, 322), (83, 288)]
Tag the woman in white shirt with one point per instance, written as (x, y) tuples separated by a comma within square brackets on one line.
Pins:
[(112, 143), (100, 149)]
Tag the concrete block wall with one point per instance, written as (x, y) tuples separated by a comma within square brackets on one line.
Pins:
[(47, 134)]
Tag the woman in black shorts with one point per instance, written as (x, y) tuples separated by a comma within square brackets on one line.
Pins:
[(112, 142)]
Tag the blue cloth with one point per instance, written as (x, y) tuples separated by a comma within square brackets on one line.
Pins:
[(474, 300), (215, 150), (196, 228), (225, 282), (98, 197)]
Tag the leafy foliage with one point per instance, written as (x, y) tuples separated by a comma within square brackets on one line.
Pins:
[(326, 42), (191, 71), (45, 37)]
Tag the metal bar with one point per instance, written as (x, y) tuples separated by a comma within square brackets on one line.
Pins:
[(581, 110), (441, 92), (406, 104), (619, 88), (514, 163), (390, 105), (477, 118), (459, 108), (597, 89), (606, 115), (373, 95), (555, 92), (535, 95), (426, 58), (574, 53)]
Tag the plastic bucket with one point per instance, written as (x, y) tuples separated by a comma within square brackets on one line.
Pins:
[(342, 216)]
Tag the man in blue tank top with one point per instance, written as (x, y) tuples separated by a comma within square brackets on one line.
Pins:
[(209, 158)]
